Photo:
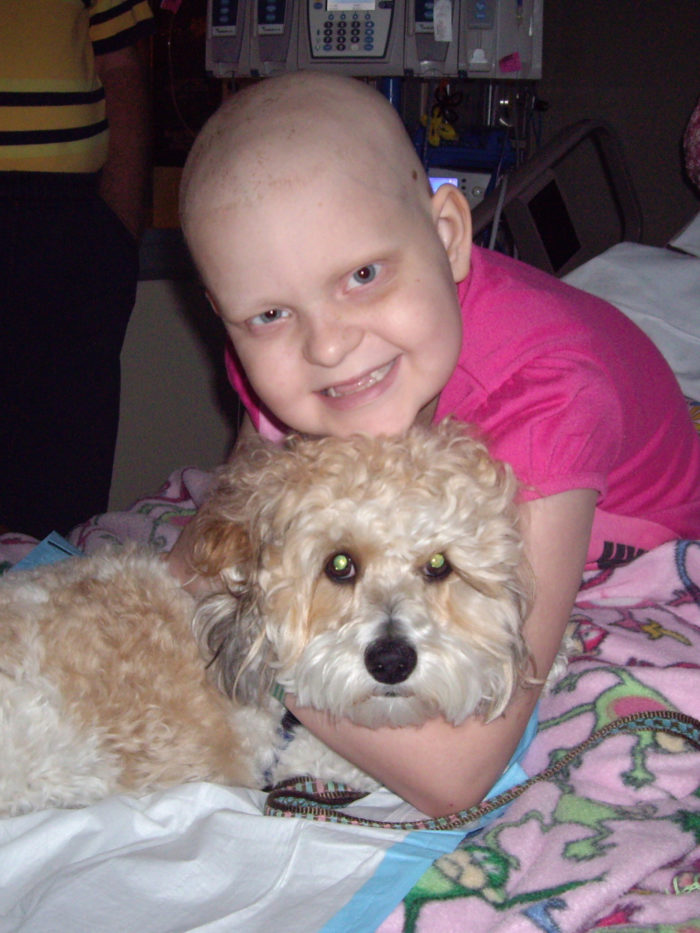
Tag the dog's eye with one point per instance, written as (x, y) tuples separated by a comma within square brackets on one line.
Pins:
[(437, 567), (341, 568)]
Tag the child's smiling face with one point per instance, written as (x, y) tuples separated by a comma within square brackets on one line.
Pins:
[(337, 286), (341, 306)]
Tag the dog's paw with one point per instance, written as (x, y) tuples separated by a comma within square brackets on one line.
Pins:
[(305, 754)]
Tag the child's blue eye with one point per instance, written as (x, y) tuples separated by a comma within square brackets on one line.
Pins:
[(364, 276), (271, 316)]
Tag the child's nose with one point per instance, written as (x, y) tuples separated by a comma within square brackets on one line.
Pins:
[(328, 342)]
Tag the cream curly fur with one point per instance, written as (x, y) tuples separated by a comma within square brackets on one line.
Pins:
[(378, 579)]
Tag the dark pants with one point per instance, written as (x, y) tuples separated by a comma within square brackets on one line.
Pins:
[(68, 273)]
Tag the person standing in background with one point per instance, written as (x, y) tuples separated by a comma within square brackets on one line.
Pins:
[(74, 168)]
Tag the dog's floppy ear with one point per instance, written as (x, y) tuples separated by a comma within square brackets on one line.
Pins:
[(230, 526), (224, 526), (221, 543), (231, 636), (227, 623)]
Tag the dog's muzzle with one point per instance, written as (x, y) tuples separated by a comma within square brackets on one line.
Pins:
[(390, 660)]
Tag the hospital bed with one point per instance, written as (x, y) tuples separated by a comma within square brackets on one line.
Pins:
[(606, 832)]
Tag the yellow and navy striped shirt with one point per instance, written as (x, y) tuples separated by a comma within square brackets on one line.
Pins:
[(52, 105)]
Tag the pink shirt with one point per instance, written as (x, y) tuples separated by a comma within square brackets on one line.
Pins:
[(573, 395)]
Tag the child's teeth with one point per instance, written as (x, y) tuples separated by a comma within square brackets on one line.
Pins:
[(376, 376)]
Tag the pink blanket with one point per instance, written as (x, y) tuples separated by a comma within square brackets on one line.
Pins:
[(614, 840), (610, 841)]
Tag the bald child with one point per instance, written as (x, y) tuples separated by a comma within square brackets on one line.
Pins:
[(355, 301)]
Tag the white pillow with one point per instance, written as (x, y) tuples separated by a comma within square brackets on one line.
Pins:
[(659, 289)]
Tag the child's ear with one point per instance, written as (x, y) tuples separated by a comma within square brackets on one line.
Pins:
[(453, 222), (212, 303)]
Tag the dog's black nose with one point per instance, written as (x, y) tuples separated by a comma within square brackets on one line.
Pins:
[(390, 660)]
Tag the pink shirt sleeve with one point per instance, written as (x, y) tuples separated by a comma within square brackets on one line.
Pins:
[(556, 423), (574, 396)]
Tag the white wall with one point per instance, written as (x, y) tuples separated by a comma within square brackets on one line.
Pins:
[(176, 408)]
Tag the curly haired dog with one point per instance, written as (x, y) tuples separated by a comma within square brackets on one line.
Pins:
[(379, 579)]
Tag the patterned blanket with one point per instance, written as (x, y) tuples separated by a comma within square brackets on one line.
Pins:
[(609, 835), (613, 840)]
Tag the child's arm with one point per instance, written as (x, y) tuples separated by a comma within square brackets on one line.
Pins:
[(124, 178), (441, 768)]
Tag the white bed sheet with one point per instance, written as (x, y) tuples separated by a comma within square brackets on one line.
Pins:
[(199, 858), (659, 289)]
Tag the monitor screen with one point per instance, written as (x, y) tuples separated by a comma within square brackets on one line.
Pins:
[(437, 182), (345, 5)]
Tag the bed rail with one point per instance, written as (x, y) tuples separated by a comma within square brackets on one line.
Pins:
[(558, 214)]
